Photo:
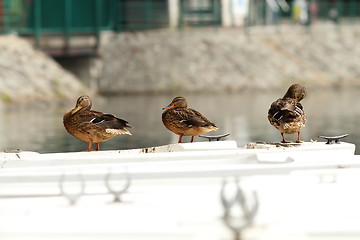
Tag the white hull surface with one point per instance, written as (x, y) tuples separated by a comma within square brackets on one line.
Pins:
[(307, 191)]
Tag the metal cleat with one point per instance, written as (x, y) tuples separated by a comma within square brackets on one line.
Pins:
[(213, 138), (335, 139)]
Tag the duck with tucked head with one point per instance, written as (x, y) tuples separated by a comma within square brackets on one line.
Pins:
[(92, 126), (287, 114), (185, 121)]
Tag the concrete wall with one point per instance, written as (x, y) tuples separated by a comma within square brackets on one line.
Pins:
[(200, 60)]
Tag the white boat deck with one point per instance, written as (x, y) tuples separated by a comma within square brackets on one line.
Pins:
[(306, 191)]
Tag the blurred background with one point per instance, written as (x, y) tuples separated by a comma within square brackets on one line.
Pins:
[(230, 58)]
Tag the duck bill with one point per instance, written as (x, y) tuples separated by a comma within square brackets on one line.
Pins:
[(168, 107), (75, 110)]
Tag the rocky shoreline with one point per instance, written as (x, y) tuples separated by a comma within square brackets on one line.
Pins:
[(29, 76)]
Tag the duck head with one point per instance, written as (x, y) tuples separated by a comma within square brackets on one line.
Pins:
[(83, 103), (296, 91), (178, 102)]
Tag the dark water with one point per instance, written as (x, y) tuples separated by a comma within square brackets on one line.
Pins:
[(244, 115)]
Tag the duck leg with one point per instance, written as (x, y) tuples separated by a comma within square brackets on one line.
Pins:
[(283, 139), (180, 138), (192, 138), (89, 149), (298, 139), (97, 146)]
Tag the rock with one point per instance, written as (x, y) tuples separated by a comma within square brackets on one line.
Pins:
[(28, 75)]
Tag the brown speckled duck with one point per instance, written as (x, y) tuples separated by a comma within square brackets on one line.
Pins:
[(185, 121), (92, 126), (287, 114)]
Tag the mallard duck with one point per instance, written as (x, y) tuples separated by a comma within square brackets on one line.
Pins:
[(92, 126), (185, 121), (287, 114)]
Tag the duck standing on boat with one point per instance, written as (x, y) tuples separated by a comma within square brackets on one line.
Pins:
[(185, 121), (287, 114), (92, 126)]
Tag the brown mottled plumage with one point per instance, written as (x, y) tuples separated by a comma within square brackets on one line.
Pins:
[(287, 114), (185, 121), (92, 126)]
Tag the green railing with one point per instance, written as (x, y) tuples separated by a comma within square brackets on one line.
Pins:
[(200, 13), (92, 16), (57, 16), (68, 18), (339, 11), (65, 18), (13, 15), (141, 15), (152, 14)]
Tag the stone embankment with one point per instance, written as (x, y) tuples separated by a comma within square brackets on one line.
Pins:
[(191, 60), (230, 59), (28, 75)]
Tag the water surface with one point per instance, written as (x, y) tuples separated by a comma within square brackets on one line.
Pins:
[(243, 115)]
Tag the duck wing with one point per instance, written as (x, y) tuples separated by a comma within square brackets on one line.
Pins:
[(110, 121), (285, 110), (191, 117), (104, 121)]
